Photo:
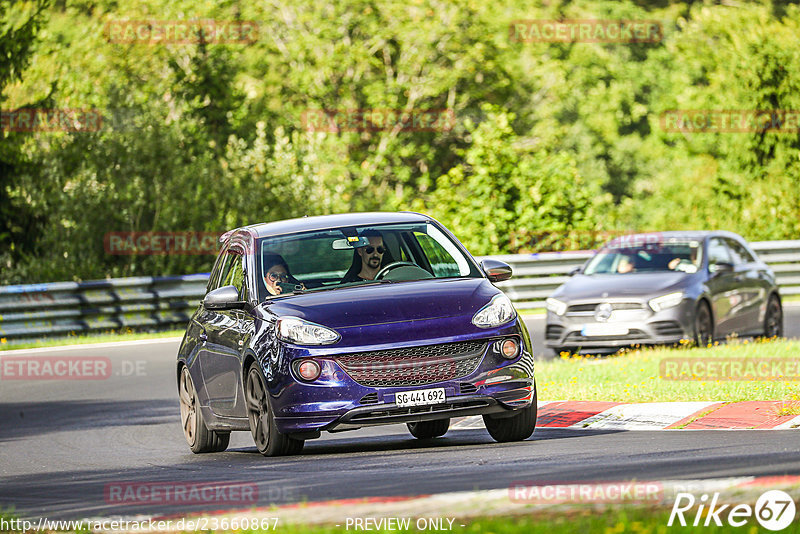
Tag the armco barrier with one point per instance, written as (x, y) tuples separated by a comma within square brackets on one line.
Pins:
[(60, 308)]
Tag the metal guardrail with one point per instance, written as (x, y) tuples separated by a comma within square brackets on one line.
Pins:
[(61, 308)]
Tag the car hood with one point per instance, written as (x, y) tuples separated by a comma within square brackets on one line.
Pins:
[(620, 285), (376, 304)]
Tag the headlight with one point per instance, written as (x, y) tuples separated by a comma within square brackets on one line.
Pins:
[(498, 311), (302, 332), (556, 306), (667, 301)]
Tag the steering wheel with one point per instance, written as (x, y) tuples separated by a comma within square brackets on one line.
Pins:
[(392, 266)]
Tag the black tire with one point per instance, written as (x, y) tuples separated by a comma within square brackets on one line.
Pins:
[(773, 320), (195, 430), (429, 429), (516, 428), (269, 441), (703, 325)]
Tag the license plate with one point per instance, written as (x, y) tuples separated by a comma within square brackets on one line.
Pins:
[(604, 329), (419, 397)]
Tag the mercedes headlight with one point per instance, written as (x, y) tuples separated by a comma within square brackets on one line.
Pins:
[(556, 306), (302, 332), (669, 300), (498, 311)]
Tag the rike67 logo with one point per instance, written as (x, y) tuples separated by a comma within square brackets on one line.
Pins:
[(774, 510)]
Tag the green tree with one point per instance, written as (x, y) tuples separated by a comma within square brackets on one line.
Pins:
[(505, 192), (19, 223)]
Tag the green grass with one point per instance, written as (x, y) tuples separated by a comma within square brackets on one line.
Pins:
[(82, 339), (636, 520), (634, 376), (611, 520), (531, 311)]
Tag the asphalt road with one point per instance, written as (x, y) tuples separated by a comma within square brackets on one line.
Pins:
[(64, 443)]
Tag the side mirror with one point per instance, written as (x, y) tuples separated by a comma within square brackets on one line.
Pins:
[(575, 270), (223, 298), (720, 268), (496, 271)]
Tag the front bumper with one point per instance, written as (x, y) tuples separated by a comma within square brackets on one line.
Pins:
[(624, 328), (391, 414), (337, 402)]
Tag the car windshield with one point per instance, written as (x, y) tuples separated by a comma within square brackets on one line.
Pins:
[(657, 256), (335, 258)]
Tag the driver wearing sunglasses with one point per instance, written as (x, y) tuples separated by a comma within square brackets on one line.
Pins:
[(371, 257)]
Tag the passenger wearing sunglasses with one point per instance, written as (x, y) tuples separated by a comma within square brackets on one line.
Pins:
[(367, 260), (277, 277)]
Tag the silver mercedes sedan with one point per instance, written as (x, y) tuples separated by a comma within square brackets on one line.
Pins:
[(662, 288)]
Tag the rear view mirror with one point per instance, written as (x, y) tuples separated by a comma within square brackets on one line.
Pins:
[(350, 243), (496, 271), (720, 268), (223, 298)]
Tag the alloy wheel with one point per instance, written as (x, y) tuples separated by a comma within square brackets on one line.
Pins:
[(702, 326), (188, 400), (257, 409), (773, 324)]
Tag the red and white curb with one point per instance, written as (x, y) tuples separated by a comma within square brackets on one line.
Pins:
[(592, 415)]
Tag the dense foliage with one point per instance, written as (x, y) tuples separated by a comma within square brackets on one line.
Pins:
[(553, 145)]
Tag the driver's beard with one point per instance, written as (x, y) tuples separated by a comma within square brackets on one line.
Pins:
[(374, 263)]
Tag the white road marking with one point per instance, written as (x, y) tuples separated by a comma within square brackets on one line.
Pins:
[(642, 416), (86, 346)]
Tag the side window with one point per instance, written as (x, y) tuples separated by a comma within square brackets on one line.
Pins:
[(234, 276), (221, 267), (717, 253), (739, 252)]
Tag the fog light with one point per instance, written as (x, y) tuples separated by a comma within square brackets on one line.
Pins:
[(510, 349), (309, 370)]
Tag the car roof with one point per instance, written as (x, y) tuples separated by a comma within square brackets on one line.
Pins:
[(326, 222), (676, 234)]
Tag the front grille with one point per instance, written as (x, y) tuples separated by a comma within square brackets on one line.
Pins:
[(585, 308), (554, 331), (413, 366), (668, 328), (632, 335)]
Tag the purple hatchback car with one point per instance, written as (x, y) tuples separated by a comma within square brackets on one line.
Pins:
[(345, 321)]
